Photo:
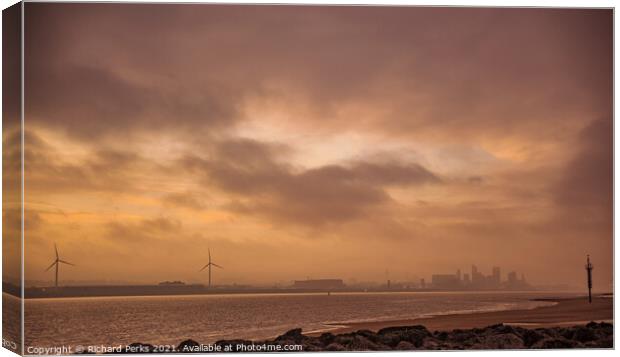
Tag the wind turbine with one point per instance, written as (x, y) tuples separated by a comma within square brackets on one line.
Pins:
[(57, 263), (209, 265)]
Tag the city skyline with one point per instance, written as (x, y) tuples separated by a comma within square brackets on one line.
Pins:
[(409, 139), (497, 280)]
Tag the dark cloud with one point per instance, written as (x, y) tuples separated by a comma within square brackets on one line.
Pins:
[(86, 93), (587, 180), (185, 200), (117, 68), (46, 170), (143, 231), (250, 171)]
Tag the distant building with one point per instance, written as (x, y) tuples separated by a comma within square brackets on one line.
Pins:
[(319, 284), (466, 279), (477, 278), (445, 281), (422, 283), (496, 276), (512, 278)]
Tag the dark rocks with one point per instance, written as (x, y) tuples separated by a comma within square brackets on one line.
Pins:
[(503, 341), (405, 346), (361, 343), (326, 338), (415, 335), (405, 338), (335, 347), (584, 334), (547, 343), (292, 335), (530, 337)]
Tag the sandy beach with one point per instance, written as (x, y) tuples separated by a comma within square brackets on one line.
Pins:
[(566, 312), (569, 323)]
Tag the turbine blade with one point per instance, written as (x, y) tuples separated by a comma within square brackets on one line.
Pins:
[(203, 268), (50, 267), (209, 255), (56, 249), (215, 265), (62, 261)]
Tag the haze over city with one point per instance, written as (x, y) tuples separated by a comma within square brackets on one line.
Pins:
[(334, 142)]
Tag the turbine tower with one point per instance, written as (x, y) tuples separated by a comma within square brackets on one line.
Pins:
[(209, 265), (56, 263)]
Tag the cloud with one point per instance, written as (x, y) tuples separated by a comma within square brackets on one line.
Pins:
[(47, 169), (117, 69), (261, 184), (587, 179), (186, 200), (145, 230)]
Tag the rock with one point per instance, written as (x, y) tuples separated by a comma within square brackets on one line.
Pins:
[(391, 336), (372, 336), (504, 341), (402, 328), (430, 344), (530, 337), (335, 347), (547, 343), (344, 339), (501, 329), (602, 329), (592, 335), (461, 336), (292, 335), (584, 334), (361, 343), (326, 338), (441, 335), (311, 347), (405, 346), (607, 342)]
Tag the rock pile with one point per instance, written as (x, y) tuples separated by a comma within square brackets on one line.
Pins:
[(592, 335)]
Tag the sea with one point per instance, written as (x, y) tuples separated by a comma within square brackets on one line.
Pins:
[(168, 320)]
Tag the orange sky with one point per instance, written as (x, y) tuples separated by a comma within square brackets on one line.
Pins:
[(317, 142)]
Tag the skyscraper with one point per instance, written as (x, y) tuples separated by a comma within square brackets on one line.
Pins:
[(496, 276)]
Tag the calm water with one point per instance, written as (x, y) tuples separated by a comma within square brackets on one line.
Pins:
[(172, 319)]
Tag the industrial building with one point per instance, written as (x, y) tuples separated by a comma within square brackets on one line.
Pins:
[(319, 284)]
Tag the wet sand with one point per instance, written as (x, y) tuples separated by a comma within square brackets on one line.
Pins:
[(567, 312)]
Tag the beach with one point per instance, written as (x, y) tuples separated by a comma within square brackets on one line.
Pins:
[(569, 323), (566, 312)]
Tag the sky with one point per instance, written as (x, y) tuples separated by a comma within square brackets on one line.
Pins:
[(362, 143)]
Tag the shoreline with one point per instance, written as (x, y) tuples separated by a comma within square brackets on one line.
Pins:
[(566, 312)]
